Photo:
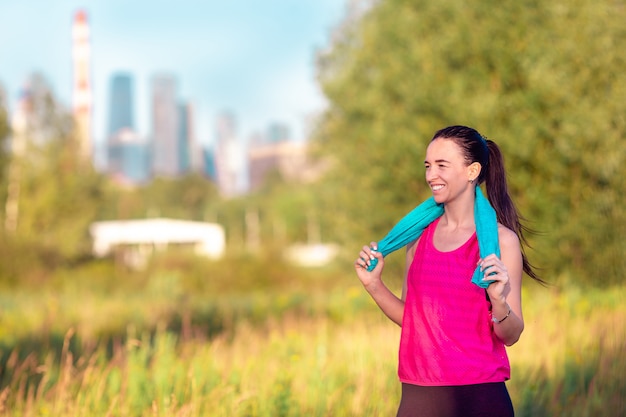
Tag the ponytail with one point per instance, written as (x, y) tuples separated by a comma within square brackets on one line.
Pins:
[(497, 189), (506, 212)]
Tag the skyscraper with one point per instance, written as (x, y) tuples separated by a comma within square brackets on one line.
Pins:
[(229, 157), (185, 142), (208, 167), (128, 154), (121, 103), (279, 154), (165, 143), (129, 158), (278, 132), (82, 94)]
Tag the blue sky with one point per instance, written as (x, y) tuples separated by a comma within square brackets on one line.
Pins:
[(254, 58)]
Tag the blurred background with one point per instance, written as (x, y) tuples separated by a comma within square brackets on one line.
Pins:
[(185, 186), (248, 65)]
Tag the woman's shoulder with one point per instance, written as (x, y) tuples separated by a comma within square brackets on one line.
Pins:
[(507, 237)]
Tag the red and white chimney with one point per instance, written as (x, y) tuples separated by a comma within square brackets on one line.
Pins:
[(82, 93)]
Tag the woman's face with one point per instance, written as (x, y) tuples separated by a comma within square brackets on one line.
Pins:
[(447, 173)]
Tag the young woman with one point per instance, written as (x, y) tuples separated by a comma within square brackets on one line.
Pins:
[(452, 358)]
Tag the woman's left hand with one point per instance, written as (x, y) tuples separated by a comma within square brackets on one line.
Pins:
[(495, 270)]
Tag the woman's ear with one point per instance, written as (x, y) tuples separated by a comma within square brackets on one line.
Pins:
[(473, 171)]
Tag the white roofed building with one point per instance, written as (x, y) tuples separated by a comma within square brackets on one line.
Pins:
[(140, 238)]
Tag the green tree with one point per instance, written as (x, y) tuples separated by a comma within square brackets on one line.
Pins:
[(185, 197), (544, 80), (59, 193), (4, 145)]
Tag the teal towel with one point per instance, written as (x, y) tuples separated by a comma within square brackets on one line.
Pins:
[(411, 226)]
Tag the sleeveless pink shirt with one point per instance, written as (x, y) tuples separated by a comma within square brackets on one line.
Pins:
[(447, 334)]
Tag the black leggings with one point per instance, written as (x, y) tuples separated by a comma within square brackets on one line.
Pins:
[(480, 400)]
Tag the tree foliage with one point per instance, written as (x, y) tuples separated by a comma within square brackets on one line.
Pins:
[(59, 195), (542, 79), (183, 197), (4, 139), (56, 193)]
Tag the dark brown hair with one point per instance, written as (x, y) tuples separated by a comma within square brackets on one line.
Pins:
[(476, 148)]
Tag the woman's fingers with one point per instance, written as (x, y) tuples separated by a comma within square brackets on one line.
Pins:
[(367, 255), (494, 269)]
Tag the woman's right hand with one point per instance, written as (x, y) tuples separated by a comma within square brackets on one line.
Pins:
[(369, 278), (389, 303)]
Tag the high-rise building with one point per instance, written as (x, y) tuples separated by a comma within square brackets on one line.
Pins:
[(128, 154), (287, 158), (229, 157), (121, 103), (185, 138), (277, 132), (82, 93), (208, 163), (165, 126), (277, 153)]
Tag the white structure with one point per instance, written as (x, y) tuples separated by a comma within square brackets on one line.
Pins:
[(311, 255), (146, 236)]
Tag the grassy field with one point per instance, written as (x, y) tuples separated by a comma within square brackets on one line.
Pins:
[(317, 350)]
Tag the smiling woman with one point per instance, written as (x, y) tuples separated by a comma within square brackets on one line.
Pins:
[(453, 359)]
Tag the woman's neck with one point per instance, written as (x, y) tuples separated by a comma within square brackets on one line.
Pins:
[(460, 213)]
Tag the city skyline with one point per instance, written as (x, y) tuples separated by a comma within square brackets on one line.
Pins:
[(256, 61)]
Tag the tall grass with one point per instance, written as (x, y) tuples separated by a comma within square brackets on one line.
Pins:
[(278, 352), (571, 359)]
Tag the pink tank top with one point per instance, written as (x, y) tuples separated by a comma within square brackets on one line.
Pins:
[(447, 334)]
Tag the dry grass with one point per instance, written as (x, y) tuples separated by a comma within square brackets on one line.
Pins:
[(332, 358)]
